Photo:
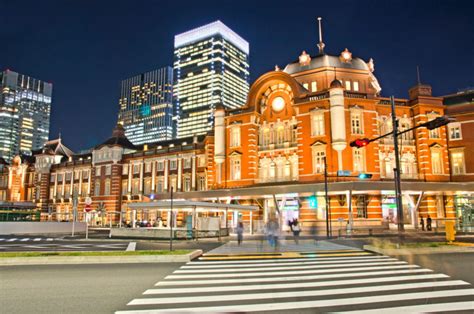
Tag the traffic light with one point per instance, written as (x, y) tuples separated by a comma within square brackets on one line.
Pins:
[(365, 176), (360, 142), (438, 122)]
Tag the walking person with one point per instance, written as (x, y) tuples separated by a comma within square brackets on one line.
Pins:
[(428, 223), (240, 232), (422, 223), (296, 230)]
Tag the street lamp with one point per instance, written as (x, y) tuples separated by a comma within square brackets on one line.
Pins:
[(171, 220)]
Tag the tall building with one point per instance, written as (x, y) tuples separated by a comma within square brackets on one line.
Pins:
[(146, 106), (25, 107), (211, 67)]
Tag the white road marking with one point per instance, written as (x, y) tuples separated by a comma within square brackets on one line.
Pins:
[(293, 272), (318, 303), (12, 239), (293, 285), (294, 294), (49, 239), (282, 264), (131, 246), (293, 278), (423, 308), (37, 239), (283, 260), (24, 239), (1, 239), (296, 267)]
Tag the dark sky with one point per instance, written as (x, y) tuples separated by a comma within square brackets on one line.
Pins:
[(86, 47)]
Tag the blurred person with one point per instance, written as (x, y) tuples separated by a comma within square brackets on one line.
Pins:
[(296, 230), (422, 223), (240, 232), (428, 223)]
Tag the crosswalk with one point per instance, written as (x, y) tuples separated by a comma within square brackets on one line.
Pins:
[(32, 239), (337, 281)]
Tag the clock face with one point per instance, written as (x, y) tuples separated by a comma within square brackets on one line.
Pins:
[(278, 104)]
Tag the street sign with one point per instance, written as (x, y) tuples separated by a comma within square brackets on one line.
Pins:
[(87, 208), (343, 173)]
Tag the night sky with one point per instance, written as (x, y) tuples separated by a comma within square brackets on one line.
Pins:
[(85, 48)]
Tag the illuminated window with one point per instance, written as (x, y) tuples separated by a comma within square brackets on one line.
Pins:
[(314, 86), (202, 161), (317, 123), (235, 136), (187, 184), (173, 164), (187, 163), (136, 169), (454, 131), (355, 85), (97, 170), (135, 186), (107, 187), (108, 170), (124, 187), (319, 153), (358, 159), (148, 167), (356, 122), (202, 183), (457, 162), (348, 85), (306, 86), (97, 187), (147, 186), (161, 165), (436, 161), (125, 169), (235, 168)]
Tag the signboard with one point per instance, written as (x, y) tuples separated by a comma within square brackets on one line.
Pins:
[(87, 208), (289, 204), (343, 173)]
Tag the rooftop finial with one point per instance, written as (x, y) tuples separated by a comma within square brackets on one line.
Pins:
[(321, 44), (418, 75)]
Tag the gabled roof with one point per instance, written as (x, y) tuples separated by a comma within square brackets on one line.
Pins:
[(54, 147), (118, 139)]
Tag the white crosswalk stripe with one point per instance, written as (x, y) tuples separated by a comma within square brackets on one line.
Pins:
[(370, 284), (25, 239), (37, 239), (12, 240)]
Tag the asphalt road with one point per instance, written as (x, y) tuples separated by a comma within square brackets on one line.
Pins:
[(75, 288)]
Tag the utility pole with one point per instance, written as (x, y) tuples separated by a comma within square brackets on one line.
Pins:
[(328, 214), (171, 220), (396, 170)]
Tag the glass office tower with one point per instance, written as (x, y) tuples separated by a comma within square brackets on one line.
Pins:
[(25, 108), (211, 66), (146, 107)]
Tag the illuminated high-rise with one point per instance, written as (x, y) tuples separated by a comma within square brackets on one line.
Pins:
[(146, 106), (25, 107), (211, 66)]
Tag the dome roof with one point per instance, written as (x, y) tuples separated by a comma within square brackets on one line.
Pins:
[(324, 60), (336, 84)]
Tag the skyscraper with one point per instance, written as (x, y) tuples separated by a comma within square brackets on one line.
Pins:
[(210, 67), (25, 107), (146, 106)]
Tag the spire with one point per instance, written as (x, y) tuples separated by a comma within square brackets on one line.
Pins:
[(321, 44)]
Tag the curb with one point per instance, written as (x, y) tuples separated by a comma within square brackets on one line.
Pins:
[(74, 260), (414, 251)]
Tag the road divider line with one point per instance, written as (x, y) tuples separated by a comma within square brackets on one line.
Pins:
[(293, 285), (295, 278)]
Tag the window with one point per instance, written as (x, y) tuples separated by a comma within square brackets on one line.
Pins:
[(59, 191), (235, 168), (108, 170), (173, 182), (317, 123), (84, 191), (97, 170), (436, 161), (202, 183), (235, 136), (60, 177), (107, 187), (187, 163), (125, 169), (148, 167), (435, 132), (135, 186), (52, 178), (306, 86), (457, 163), (314, 86), (159, 185), (187, 183), (124, 187), (348, 85), (68, 176), (454, 131), (97, 188), (147, 186), (356, 122), (202, 161), (361, 205), (136, 168), (85, 174), (358, 160), (173, 164), (161, 165), (266, 137), (319, 153), (355, 86)]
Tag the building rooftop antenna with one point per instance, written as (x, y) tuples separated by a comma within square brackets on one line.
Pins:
[(321, 44), (418, 74)]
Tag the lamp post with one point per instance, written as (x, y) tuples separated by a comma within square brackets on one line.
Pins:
[(396, 170), (171, 220), (328, 211)]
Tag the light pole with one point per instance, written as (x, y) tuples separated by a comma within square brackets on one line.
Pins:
[(171, 220), (328, 211), (396, 170)]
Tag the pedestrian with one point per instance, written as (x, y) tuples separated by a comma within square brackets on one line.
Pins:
[(240, 232), (428, 223), (296, 231), (314, 232), (422, 223)]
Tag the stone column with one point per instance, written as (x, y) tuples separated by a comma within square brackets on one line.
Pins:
[(180, 173), (165, 181), (141, 178), (193, 173), (153, 176), (130, 176)]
